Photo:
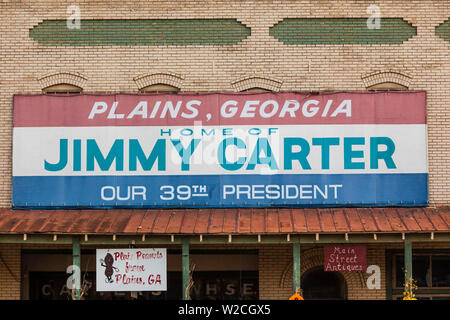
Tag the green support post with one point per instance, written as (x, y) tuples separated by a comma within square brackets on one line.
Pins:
[(76, 266), (408, 260), (296, 266), (185, 267)]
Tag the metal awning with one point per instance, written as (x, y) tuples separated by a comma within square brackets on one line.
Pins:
[(226, 221)]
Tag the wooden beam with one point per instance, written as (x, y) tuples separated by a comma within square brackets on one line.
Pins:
[(164, 239)]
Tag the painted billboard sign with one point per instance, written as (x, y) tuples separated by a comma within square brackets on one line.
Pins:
[(220, 150), (131, 269)]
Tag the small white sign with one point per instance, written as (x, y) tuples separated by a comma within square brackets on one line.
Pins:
[(131, 269)]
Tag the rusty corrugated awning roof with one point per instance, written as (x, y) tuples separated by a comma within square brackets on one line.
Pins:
[(226, 221)]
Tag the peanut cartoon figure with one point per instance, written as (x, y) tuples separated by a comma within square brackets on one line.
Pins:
[(109, 269)]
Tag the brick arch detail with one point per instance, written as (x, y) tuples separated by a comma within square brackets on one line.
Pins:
[(379, 77), (312, 258), (167, 78), (257, 81), (63, 77)]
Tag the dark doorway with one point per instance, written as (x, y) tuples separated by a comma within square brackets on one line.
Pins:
[(320, 285)]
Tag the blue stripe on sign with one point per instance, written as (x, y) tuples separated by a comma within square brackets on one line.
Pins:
[(313, 190)]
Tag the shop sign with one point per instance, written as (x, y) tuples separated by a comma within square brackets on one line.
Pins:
[(224, 285), (220, 150), (131, 269), (345, 258)]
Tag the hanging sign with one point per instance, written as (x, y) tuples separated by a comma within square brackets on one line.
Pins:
[(345, 258), (282, 149), (131, 269)]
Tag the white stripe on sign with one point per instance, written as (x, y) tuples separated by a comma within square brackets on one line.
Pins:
[(320, 149)]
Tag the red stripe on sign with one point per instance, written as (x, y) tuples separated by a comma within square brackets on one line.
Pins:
[(283, 108)]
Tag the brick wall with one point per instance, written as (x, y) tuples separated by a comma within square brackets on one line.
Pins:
[(421, 62), (10, 272), (141, 32), (417, 52)]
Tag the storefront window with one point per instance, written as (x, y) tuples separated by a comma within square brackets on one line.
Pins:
[(62, 88), (421, 269), (431, 272), (441, 271), (218, 275), (208, 285), (256, 89), (160, 88), (387, 86), (226, 285)]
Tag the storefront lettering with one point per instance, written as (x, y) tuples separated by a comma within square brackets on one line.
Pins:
[(206, 286), (209, 289), (345, 258), (50, 290)]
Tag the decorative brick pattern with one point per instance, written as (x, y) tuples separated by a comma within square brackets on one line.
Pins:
[(386, 76), (313, 31), (257, 82), (443, 30), (143, 32), (72, 78), (171, 79)]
